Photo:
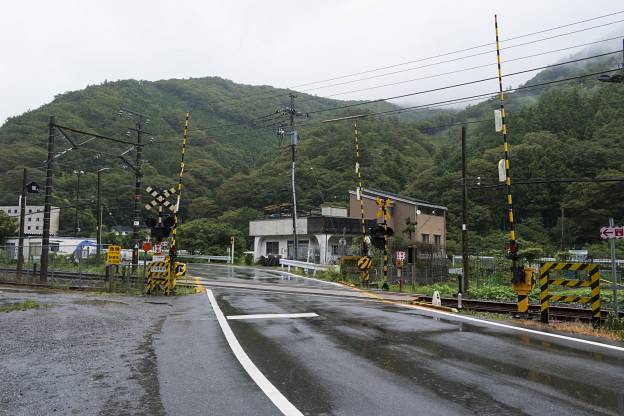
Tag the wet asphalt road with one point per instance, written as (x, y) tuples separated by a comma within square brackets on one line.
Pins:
[(360, 357), (98, 354)]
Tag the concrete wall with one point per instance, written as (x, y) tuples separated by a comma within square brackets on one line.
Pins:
[(280, 226)]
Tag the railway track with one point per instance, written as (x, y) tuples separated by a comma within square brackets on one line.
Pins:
[(60, 274), (567, 313)]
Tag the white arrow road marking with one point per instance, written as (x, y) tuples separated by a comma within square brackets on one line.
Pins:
[(256, 375), (273, 315)]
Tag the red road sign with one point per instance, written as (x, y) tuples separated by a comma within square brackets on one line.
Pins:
[(147, 246), (611, 232)]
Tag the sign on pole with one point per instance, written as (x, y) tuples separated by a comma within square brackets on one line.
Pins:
[(113, 255), (400, 255), (611, 232)]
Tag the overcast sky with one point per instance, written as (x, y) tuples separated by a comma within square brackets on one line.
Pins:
[(52, 47)]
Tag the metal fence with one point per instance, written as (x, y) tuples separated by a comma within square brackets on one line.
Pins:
[(68, 265)]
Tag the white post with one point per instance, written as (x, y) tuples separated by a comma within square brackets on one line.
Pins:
[(613, 270), (232, 251)]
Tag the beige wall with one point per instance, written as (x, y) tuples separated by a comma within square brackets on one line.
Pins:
[(425, 224)]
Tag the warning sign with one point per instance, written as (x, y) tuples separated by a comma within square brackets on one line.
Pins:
[(113, 255)]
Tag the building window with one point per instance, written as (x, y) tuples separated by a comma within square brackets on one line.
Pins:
[(29, 227), (37, 219), (55, 247), (334, 249), (29, 211), (272, 247), (425, 238), (37, 227), (29, 219), (437, 240)]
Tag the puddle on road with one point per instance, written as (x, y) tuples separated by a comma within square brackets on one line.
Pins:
[(97, 302)]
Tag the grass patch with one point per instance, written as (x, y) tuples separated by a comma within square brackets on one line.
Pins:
[(20, 306)]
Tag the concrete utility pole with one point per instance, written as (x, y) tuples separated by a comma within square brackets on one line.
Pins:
[(22, 220), (45, 239), (138, 176), (136, 217), (76, 220), (98, 236), (293, 144), (463, 286)]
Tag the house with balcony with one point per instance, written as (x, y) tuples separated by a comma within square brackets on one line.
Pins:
[(420, 222), (322, 236)]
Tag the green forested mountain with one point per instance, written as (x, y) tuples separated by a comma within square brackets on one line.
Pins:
[(567, 130)]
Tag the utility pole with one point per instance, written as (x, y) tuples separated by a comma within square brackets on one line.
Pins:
[(98, 236), (463, 286), (562, 220), (45, 239), (138, 176), (20, 243), (293, 144), (76, 220)]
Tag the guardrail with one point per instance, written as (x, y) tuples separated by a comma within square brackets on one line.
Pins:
[(305, 265), (209, 258)]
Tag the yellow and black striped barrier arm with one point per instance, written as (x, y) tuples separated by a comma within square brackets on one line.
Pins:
[(171, 277), (593, 282), (523, 300), (358, 170)]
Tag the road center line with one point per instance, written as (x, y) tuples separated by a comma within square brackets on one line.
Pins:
[(273, 315), (256, 375)]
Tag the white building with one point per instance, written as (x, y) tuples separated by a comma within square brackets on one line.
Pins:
[(320, 238), (33, 224), (59, 245)]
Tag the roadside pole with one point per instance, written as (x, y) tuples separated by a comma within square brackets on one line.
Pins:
[(20, 243), (613, 271), (232, 250), (45, 239), (463, 284)]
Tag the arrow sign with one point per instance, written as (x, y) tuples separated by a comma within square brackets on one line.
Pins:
[(611, 232)]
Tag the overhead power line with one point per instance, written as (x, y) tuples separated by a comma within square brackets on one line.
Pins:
[(267, 95), (488, 94), (467, 49), (429, 105), (462, 83)]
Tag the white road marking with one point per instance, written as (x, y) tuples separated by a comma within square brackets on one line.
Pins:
[(274, 315), (256, 375), (516, 328)]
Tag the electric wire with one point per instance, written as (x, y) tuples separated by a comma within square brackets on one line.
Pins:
[(281, 94)]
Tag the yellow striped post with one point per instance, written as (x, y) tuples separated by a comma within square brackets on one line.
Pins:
[(359, 191), (170, 282), (594, 276), (543, 282), (513, 244)]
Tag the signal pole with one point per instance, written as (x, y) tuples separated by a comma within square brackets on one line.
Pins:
[(138, 176), (20, 243), (45, 238), (463, 286)]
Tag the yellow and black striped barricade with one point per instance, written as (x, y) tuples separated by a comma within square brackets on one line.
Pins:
[(594, 283), (364, 264), (157, 273)]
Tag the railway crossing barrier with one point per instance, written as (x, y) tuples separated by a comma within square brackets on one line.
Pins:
[(593, 282)]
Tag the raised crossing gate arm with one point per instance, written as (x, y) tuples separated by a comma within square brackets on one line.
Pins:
[(545, 282)]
